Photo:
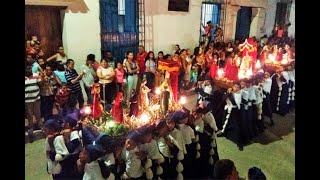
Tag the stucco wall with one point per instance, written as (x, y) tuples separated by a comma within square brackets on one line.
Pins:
[(81, 33), (291, 30), (166, 28)]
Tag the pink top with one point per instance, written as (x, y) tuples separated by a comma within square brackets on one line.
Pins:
[(119, 77)]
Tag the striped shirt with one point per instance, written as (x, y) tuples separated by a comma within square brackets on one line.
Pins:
[(31, 89), (71, 75)]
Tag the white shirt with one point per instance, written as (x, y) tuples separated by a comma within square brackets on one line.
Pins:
[(109, 159), (105, 72), (152, 65), (251, 95), (163, 147), (152, 149), (176, 138), (187, 133), (199, 125), (88, 78), (237, 98), (208, 118), (133, 163), (259, 94), (92, 171), (266, 85)]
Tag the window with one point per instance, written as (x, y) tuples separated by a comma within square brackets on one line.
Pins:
[(210, 12), (121, 7)]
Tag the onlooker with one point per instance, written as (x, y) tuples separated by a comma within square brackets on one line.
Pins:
[(89, 76), (73, 83), (32, 101), (106, 76), (111, 60)]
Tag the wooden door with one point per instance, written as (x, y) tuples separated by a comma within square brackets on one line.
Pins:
[(44, 22)]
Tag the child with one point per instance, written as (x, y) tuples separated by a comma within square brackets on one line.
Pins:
[(57, 152), (144, 100), (130, 156), (119, 77), (73, 143), (117, 110), (90, 164), (61, 100), (134, 107), (188, 136), (150, 148), (177, 147)]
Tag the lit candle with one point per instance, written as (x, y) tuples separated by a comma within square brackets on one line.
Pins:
[(258, 65), (87, 110), (220, 73), (241, 76), (144, 118), (158, 91), (183, 100)]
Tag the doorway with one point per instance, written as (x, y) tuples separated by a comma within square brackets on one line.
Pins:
[(44, 22), (244, 16)]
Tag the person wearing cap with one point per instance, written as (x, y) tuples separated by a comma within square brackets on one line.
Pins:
[(181, 118), (90, 164), (132, 157), (72, 141), (204, 90), (60, 161), (161, 132), (255, 173), (150, 147), (176, 145)]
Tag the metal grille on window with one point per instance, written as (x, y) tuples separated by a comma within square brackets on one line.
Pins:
[(214, 11), (119, 27)]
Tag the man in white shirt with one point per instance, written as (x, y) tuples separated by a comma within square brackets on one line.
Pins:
[(266, 105)]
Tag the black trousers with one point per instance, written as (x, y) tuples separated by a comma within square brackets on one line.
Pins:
[(47, 107)]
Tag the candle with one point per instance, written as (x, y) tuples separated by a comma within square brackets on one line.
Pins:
[(158, 91), (220, 73), (144, 118), (258, 65), (183, 100), (86, 110)]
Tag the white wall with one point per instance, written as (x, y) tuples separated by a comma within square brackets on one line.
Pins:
[(270, 16), (81, 33), (166, 28), (256, 27), (291, 30)]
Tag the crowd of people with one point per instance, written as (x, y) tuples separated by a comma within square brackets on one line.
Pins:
[(177, 143)]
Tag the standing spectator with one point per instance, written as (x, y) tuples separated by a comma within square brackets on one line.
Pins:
[(73, 83), (89, 76), (106, 76), (119, 77), (48, 89), (133, 70), (61, 100), (60, 72), (60, 57), (32, 101), (150, 69), (141, 56), (111, 60)]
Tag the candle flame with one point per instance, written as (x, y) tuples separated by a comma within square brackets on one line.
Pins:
[(158, 91), (220, 72), (183, 100), (258, 65)]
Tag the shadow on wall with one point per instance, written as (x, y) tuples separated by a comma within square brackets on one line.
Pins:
[(160, 7), (78, 6)]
